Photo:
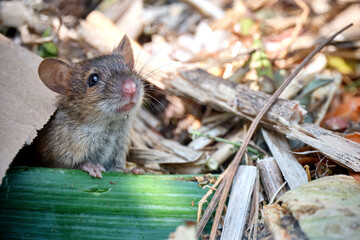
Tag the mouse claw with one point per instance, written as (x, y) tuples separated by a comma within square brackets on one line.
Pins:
[(138, 171), (93, 169)]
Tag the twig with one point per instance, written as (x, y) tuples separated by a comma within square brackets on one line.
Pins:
[(239, 203), (256, 201), (204, 198), (307, 169), (207, 8), (289, 166), (253, 149), (256, 216), (210, 209), (304, 152), (277, 192), (228, 178), (299, 24)]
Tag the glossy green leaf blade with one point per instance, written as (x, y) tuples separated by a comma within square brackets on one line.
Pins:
[(40, 203)]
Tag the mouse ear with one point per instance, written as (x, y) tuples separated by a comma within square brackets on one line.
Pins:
[(53, 73), (124, 49)]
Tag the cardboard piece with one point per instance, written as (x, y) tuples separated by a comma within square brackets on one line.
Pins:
[(26, 104)]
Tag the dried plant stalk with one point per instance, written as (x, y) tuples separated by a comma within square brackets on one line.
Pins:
[(291, 169), (239, 202), (270, 177)]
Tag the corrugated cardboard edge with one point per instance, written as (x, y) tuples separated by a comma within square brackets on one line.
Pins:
[(25, 103)]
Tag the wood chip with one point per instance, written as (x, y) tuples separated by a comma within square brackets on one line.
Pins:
[(291, 169), (271, 177), (239, 202), (201, 142), (207, 8)]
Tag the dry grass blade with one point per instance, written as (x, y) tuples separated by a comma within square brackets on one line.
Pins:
[(299, 24), (227, 182), (239, 202), (204, 198), (256, 203)]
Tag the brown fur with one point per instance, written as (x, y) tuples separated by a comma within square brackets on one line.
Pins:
[(88, 126)]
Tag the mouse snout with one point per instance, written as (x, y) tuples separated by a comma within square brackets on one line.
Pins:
[(129, 87)]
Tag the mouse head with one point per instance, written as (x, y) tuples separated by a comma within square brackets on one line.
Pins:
[(103, 84)]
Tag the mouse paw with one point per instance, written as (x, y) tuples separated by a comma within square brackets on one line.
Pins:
[(93, 169), (136, 171)]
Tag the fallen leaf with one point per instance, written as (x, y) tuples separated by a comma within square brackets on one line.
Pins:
[(347, 110), (326, 208), (354, 137), (355, 175), (336, 123)]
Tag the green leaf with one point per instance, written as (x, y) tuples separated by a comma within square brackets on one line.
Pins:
[(48, 49), (326, 208), (313, 85), (353, 86), (44, 203), (260, 61), (246, 24), (305, 95)]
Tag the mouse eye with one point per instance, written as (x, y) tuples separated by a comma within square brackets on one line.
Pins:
[(93, 79)]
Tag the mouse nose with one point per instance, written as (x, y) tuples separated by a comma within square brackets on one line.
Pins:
[(129, 88)]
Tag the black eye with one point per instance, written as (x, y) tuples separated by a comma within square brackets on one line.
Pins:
[(93, 79)]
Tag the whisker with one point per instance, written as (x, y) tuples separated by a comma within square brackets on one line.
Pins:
[(137, 58), (156, 91), (154, 106), (152, 97), (149, 60), (141, 49), (156, 69)]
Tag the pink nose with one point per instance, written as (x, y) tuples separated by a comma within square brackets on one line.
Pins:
[(129, 88)]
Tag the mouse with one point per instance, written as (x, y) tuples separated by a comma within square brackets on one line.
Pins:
[(98, 101)]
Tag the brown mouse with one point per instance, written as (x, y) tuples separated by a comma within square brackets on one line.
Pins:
[(99, 99)]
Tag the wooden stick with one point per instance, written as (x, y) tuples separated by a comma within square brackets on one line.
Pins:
[(256, 202), (233, 166), (271, 177), (239, 202), (207, 8), (290, 168), (299, 24), (277, 192)]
